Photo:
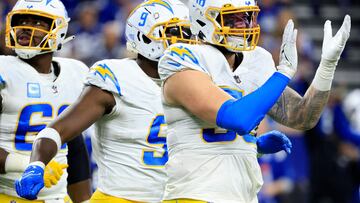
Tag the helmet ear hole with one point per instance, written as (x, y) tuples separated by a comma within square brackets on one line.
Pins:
[(201, 35), (146, 39), (138, 36), (201, 23)]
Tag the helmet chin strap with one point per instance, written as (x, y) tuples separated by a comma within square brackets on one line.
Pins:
[(26, 54), (236, 43)]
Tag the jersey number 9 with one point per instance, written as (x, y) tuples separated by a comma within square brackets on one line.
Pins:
[(156, 138)]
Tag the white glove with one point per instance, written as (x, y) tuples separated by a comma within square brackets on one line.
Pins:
[(331, 51), (288, 53), (333, 46)]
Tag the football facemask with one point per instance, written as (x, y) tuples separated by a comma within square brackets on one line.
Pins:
[(238, 29), (171, 32), (36, 27)]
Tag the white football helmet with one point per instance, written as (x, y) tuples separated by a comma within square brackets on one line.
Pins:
[(154, 25), (228, 23), (52, 10)]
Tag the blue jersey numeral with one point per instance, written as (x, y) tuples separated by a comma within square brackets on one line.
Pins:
[(210, 135), (154, 138), (27, 127)]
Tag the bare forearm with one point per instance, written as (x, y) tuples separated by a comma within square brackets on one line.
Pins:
[(46, 149), (298, 112), (43, 150), (92, 105), (68, 125), (303, 113)]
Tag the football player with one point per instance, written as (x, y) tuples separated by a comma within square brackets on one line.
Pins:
[(218, 90), (36, 87), (123, 99)]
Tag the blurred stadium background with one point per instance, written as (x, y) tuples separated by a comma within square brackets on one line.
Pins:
[(325, 164)]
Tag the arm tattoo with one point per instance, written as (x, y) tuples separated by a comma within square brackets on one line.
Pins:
[(301, 113)]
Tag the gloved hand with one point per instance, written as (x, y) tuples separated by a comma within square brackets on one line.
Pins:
[(53, 173), (288, 60), (272, 142), (31, 182), (332, 48)]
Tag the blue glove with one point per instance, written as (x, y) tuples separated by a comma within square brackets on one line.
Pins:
[(31, 182), (272, 142)]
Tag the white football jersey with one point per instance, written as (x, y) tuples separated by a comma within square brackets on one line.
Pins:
[(130, 142), (207, 162), (29, 103)]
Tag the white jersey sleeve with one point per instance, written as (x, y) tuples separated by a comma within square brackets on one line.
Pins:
[(101, 75), (179, 57)]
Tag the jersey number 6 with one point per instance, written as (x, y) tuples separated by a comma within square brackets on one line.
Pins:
[(26, 126)]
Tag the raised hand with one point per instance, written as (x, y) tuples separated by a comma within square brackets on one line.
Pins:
[(272, 142), (333, 46), (288, 54)]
